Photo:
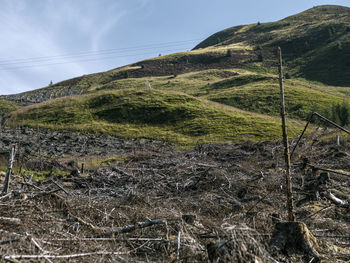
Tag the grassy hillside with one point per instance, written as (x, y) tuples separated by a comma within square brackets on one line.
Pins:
[(245, 90), (263, 96), (186, 108), (150, 113), (315, 43)]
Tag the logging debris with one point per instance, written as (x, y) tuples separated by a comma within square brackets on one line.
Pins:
[(214, 202)]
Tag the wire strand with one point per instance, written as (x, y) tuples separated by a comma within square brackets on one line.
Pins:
[(8, 62)]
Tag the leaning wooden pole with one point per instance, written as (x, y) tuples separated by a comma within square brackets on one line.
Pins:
[(290, 204), (9, 170)]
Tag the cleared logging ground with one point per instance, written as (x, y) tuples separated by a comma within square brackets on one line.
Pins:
[(152, 203)]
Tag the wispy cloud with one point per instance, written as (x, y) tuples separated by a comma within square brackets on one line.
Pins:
[(47, 28)]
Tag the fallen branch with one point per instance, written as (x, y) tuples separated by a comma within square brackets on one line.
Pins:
[(307, 124), (121, 172), (60, 187), (261, 199), (62, 256), (5, 196), (319, 211), (229, 237), (332, 236), (10, 220), (109, 239), (335, 199), (10, 233), (36, 244), (34, 186), (328, 170), (130, 228), (178, 245)]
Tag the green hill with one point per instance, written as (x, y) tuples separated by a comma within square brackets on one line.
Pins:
[(148, 113), (315, 43)]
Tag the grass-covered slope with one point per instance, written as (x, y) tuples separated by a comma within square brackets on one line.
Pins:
[(7, 106), (150, 113), (246, 90), (315, 43), (263, 96)]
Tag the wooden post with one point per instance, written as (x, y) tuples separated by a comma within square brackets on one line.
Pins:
[(9, 169), (290, 205)]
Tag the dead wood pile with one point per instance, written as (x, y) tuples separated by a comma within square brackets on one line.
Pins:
[(216, 203)]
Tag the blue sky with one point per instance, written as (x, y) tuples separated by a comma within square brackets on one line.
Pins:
[(44, 40)]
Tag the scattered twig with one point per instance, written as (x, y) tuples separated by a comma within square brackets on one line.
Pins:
[(34, 186), (261, 199), (317, 212), (60, 187), (37, 245), (109, 239), (10, 220), (63, 256), (328, 170), (130, 228), (307, 124), (178, 245), (5, 196), (116, 169), (333, 236)]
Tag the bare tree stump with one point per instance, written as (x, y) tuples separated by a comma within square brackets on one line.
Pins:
[(9, 170), (294, 238)]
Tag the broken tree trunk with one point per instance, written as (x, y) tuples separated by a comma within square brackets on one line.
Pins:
[(290, 205), (291, 236), (9, 169)]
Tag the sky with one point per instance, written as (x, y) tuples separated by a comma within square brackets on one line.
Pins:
[(53, 40)]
